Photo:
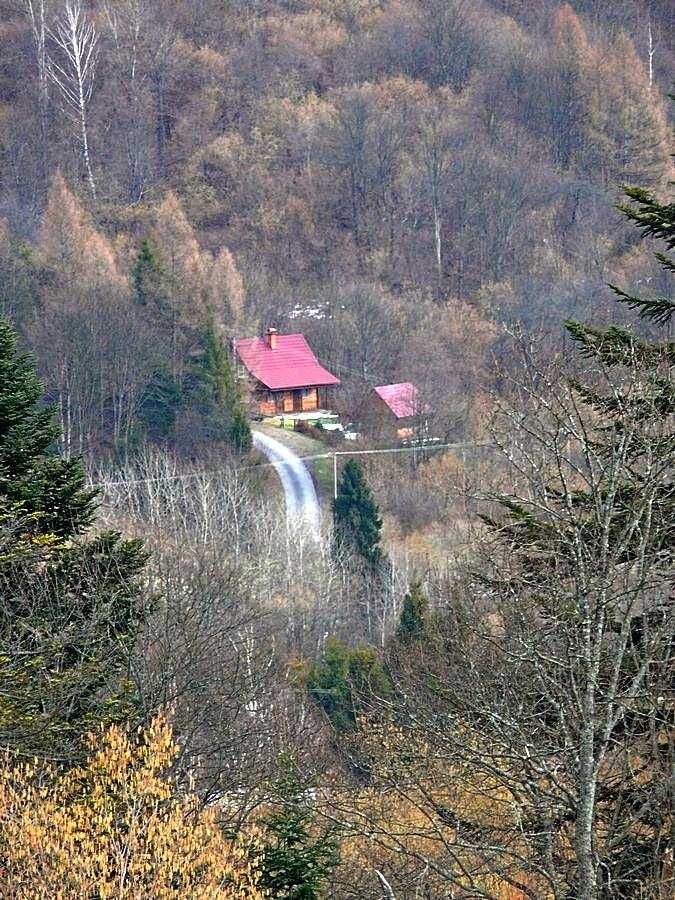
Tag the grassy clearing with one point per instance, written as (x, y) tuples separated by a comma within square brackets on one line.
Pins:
[(322, 470)]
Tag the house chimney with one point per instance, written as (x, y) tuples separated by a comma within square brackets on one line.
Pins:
[(272, 338)]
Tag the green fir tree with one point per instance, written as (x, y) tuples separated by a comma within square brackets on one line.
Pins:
[(297, 857), (412, 621), (31, 475), (216, 397), (71, 605), (344, 680), (147, 276), (655, 220), (651, 400), (162, 400), (356, 518)]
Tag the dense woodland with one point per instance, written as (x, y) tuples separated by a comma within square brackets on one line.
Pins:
[(395, 179), (465, 689)]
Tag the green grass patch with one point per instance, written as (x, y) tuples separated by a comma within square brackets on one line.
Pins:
[(322, 469)]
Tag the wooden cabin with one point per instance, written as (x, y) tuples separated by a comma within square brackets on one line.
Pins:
[(285, 375), (400, 410)]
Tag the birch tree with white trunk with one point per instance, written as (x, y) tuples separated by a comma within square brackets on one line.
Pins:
[(73, 70), (652, 43)]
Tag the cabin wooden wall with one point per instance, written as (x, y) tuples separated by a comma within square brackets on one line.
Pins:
[(266, 406), (310, 399), (271, 403)]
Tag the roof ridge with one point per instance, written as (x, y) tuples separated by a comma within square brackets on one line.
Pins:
[(291, 364)]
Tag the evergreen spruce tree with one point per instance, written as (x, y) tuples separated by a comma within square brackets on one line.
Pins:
[(163, 394), (412, 621), (70, 606), (651, 399), (30, 475), (296, 858), (216, 396), (239, 434), (655, 220), (356, 520), (147, 276), (344, 680), (161, 403)]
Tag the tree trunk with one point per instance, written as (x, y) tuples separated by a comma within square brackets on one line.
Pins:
[(85, 151), (587, 770), (587, 872), (437, 244), (160, 125)]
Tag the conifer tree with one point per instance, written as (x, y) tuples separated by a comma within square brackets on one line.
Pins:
[(412, 621), (78, 258), (650, 402), (296, 858), (227, 296), (356, 518), (182, 265), (18, 282), (656, 220), (161, 403), (344, 679), (71, 605), (629, 130), (240, 431), (147, 276), (216, 396), (30, 476)]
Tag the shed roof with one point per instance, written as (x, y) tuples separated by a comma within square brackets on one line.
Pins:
[(403, 399), (291, 364)]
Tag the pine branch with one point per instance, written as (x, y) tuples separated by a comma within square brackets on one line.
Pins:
[(654, 219), (657, 402), (616, 346), (658, 310), (667, 263)]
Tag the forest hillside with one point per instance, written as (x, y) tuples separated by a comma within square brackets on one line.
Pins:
[(390, 178), (337, 449)]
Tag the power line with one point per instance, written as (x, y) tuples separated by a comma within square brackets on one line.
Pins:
[(328, 455)]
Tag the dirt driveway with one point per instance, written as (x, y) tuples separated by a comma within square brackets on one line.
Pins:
[(299, 443)]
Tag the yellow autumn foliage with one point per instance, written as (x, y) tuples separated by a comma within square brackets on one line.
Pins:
[(116, 827), (404, 821)]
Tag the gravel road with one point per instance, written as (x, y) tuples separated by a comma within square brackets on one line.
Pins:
[(302, 506)]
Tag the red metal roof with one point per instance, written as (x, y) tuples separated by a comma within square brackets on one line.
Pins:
[(290, 365), (402, 399)]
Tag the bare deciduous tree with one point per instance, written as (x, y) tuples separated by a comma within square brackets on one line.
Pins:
[(36, 11), (128, 23), (436, 139), (530, 744), (77, 40)]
